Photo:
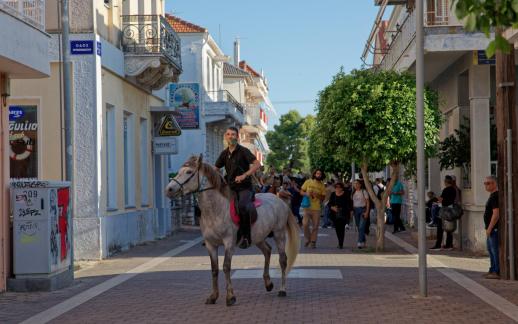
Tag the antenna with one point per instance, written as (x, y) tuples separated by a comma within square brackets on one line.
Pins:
[(219, 35)]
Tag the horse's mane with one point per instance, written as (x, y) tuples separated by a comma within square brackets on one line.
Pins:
[(214, 177)]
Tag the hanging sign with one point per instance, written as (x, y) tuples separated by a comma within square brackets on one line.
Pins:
[(169, 127)]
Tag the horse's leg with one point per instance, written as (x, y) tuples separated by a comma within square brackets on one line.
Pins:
[(280, 240), (213, 253), (267, 251), (227, 267)]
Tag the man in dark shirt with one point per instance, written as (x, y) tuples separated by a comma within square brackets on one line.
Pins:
[(491, 217), (446, 199), (240, 164)]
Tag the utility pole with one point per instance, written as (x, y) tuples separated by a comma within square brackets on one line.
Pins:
[(67, 107), (507, 175), (423, 287)]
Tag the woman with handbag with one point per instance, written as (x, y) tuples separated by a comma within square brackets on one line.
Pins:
[(340, 207), (446, 199)]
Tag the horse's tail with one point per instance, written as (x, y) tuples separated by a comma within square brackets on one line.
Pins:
[(293, 242)]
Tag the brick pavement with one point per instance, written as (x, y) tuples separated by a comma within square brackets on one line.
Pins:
[(376, 288)]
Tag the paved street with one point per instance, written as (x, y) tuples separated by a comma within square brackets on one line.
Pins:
[(373, 288)]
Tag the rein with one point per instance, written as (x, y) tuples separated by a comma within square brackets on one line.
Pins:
[(189, 179)]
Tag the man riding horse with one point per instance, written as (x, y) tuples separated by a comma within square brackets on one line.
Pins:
[(240, 164)]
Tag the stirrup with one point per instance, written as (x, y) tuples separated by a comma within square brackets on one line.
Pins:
[(245, 243)]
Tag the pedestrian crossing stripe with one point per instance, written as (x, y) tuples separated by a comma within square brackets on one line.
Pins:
[(294, 274)]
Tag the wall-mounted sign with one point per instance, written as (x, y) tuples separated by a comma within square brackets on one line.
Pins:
[(165, 145), (23, 135), (185, 98), (480, 58), (81, 47), (99, 49), (169, 127)]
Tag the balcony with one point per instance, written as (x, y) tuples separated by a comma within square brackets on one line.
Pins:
[(152, 50), (30, 11), (224, 108), (255, 119), (24, 43), (445, 40)]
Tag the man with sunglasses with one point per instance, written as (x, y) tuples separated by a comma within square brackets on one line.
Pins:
[(240, 164), (491, 218)]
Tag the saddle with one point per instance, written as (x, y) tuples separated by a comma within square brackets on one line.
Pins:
[(234, 214)]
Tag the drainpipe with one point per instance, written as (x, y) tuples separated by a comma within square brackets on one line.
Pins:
[(510, 203)]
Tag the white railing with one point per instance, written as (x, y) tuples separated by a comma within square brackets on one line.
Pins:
[(30, 11), (400, 42), (254, 116)]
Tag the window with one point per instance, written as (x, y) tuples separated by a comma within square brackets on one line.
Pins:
[(129, 158), (144, 192), (111, 167)]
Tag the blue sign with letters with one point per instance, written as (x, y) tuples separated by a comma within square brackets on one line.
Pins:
[(99, 49), (15, 112), (81, 47)]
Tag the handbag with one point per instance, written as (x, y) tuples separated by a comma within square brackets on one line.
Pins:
[(451, 213), (305, 202), (449, 226)]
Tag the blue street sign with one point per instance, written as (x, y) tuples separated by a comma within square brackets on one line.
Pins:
[(81, 47), (99, 49)]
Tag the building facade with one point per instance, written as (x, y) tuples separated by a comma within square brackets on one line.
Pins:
[(214, 108), (456, 66), (123, 53), (23, 56)]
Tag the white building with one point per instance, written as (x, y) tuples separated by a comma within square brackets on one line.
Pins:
[(203, 63), (455, 65)]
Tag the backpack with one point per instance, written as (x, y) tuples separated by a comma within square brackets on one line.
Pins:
[(380, 192)]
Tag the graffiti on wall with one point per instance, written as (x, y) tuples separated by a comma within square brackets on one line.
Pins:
[(63, 203), (54, 226)]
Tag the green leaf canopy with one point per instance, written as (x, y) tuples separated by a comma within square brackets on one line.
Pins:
[(368, 117)]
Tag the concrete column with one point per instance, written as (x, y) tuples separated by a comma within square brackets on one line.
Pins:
[(434, 182), (479, 94)]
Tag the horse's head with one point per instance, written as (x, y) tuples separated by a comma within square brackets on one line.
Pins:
[(187, 180)]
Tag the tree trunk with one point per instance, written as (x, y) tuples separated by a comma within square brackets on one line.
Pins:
[(506, 118), (381, 205)]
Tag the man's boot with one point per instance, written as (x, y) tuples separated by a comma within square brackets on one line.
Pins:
[(245, 229)]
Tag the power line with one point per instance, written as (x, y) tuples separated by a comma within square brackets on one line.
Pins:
[(286, 102)]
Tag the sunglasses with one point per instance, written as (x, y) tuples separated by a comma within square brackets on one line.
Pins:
[(487, 182)]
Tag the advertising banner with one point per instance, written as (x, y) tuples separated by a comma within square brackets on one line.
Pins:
[(185, 98), (23, 141)]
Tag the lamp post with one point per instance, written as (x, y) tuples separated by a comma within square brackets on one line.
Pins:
[(423, 287)]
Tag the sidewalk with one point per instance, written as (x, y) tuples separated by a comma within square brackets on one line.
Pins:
[(372, 288)]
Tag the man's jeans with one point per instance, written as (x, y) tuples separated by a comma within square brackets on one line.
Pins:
[(360, 223), (492, 248)]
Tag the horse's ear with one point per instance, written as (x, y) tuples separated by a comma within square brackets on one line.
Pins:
[(200, 161)]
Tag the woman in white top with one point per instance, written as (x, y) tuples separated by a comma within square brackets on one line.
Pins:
[(361, 211)]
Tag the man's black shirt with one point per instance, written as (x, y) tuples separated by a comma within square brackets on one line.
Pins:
[(448, 196), (236, 163), (492, 203)]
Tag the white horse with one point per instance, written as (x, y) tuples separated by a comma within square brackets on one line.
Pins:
[(217, 227)]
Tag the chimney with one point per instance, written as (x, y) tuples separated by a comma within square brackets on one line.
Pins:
[(236, 52)]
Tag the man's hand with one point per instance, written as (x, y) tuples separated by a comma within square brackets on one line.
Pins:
[(240, 178), (365, 215), (488, 232), (335, 209)]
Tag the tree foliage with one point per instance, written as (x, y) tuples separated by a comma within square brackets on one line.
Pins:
[(486, 14), (455, 150), (368, 117), (288, 141)]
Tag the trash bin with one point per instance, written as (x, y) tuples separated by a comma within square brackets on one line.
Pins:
[(42, 235)]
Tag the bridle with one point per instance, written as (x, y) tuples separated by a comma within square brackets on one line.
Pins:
[(198, 190)]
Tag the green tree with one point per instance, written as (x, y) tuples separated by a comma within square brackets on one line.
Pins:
[(288, 142), (368, 118)]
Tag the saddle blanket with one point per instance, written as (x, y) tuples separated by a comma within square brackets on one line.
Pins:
[(235, 216)]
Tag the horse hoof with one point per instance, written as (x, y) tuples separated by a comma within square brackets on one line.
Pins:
[(231, 301), (281, 294), (210, 301), (269, 287)]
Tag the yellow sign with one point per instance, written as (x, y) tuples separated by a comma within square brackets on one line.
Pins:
[(169, 127)]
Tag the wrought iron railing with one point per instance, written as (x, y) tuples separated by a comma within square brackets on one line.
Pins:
[(224, 95), (151, 35), (30, 11)]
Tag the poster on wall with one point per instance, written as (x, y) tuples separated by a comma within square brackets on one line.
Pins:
[(23, 141), (185, 98)]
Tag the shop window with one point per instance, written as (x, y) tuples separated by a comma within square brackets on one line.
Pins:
[(23, 141)]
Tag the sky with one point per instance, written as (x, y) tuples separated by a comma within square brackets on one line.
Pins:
[(299, 44)]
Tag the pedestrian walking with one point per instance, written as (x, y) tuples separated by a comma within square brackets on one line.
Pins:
[(491, 222), (396, 200), (314, 189), (446, 199), (340, 207), (361, 206), (296, 199)]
